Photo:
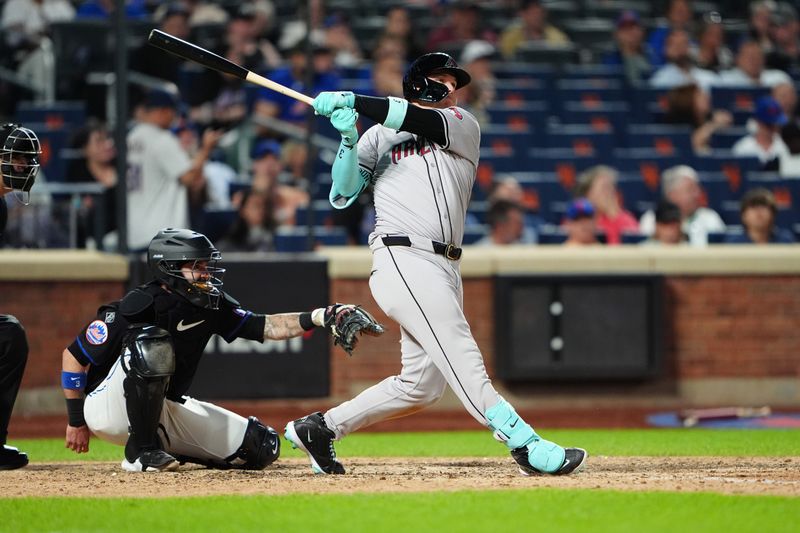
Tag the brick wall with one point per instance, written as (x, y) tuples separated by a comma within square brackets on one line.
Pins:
[(52, 313), (717, 326)]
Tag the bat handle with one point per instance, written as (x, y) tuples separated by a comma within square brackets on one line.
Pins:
[(252, 77)]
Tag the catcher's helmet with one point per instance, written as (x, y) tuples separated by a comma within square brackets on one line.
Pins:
[(417, 86), (171, 249), (19, 157)]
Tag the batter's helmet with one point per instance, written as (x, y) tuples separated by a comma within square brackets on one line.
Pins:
[(417, 86), (19, 157), (171, 249)]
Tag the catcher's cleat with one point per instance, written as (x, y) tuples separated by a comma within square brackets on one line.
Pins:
[(311, 435), (11, 458), (152, 461), (574, 459)]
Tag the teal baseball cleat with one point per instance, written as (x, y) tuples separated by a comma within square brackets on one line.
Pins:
[(574, 459)]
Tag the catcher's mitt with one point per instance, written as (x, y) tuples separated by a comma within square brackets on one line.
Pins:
[(346, 321)]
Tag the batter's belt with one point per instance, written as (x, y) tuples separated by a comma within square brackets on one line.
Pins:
[(450, 251)]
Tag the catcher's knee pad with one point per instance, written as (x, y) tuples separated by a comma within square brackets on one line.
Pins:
[(508, 427), (260, 447)]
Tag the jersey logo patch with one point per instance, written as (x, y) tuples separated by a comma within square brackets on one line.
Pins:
[(456, 113), (97, 332), (110, 316)]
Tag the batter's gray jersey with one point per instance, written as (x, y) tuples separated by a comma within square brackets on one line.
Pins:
[(422, 188)]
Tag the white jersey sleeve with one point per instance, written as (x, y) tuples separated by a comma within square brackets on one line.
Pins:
[(462, 132), (171, 157)]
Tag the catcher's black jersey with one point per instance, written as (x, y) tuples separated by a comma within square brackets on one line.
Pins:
[(3, 217), (99, 343)]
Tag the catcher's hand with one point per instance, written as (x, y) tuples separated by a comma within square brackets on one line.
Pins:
[(346, 321)]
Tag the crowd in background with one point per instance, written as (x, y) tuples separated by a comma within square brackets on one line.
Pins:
[(223, 157)]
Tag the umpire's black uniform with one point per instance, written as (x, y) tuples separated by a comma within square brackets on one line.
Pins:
[(13, 356)]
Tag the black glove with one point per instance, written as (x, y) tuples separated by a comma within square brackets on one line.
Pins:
[(346, 321)]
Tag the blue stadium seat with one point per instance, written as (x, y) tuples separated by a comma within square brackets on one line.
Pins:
[(584, 141), (721, 196), (612, 114), (521, 90), (549, 192), (787, 195), (526, 114), (53, 141), (69, 113), (727, 137), (323, 212), (633, 238), (590, 92), (593, 72), (218, 222), (636, 195), (664, 139), (500, 137), (648, 102), (511, 70), (552, 235), (738, 100), (473, 233)]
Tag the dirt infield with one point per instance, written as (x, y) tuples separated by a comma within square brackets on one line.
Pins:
[(730, 475)]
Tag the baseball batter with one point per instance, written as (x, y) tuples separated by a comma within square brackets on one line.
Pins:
[(422, 159), (126, 374), (19, 165)]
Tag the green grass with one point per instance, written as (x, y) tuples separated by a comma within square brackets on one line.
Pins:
[(655, 442), (540, 510)]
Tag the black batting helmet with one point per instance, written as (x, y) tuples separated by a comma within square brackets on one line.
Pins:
[(19, 157), (171, 249), (417, 86)]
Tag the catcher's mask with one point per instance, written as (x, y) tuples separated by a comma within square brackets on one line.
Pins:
[(187, 262), (19, 158), (417, 85)]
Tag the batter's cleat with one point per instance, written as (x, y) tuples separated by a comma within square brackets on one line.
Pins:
[(311, 435), (11, 458), (152, 461), (574, 459)]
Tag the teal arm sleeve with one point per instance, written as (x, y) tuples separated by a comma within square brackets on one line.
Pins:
[(348, 182)]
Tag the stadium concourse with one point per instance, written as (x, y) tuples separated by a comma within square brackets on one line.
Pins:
[(595, 83)]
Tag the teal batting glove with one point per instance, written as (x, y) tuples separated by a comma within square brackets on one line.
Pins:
[(344, 120), (327, 102)]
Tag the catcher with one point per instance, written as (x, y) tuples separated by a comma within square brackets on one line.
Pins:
[(126, 373)]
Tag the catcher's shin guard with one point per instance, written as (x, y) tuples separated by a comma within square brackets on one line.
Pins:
[(150, 364), (543, 455)]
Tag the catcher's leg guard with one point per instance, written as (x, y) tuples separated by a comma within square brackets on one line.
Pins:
[(149, 362), (261, 446), (509, 428)]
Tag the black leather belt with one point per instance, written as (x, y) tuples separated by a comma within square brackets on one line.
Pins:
[(450, 251)]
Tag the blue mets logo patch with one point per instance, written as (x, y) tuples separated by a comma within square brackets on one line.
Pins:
[(97, 332)]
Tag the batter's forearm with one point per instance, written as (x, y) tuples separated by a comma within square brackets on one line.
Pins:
[(282, 326), (345, 173), (426, 122)]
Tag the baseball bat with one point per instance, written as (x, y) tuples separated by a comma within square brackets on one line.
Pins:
[(209, 59)]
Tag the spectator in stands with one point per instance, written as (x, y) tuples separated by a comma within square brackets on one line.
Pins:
[(387, 76), (134, 9), (96, 164), (277, 186), (218, 175), (750, 71), (509, 189), (668, 225), (579, 223), (679, 17), (531, 26), (506, 225), (254, 228), (398, 26), (273, 104), (24, 26), (630, 51), (758, 211), (205, 12), (599, 185), (786, 95), (388, 45), (161, 176), (785, 54), (341, 41), (760, 22), (462, 24), (680, 185), (690, 105), (477, 58), (712, 53), (295, 31), (173, 19), (680, 69), (765, 142)]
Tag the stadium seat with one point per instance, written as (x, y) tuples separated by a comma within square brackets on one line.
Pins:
[(787, 195), (322, 213), (721, 196), (583, 140), (521, 90), (636, 195), (517, 140), (218, 222), (665, 139), (518, 115), (70, 113), (295, 239), (591, 92), (548, 54), (738, 100), (473, 233), (53, 140), (727, 137)]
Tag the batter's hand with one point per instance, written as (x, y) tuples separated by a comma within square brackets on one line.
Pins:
[(327, 102), (344, 120), (77, 439)]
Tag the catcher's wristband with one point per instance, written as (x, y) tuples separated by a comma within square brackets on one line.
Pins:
[(314, 319), (75, 412)]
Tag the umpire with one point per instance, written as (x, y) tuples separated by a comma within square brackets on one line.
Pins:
[(126, 374), (19, 165)]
